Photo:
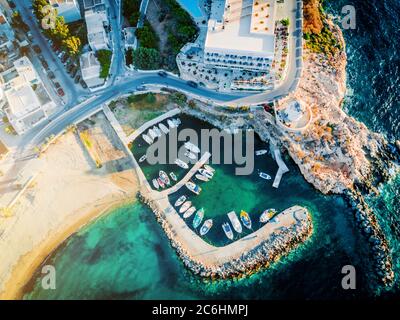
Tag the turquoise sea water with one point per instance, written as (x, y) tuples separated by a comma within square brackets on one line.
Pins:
[(125, 254)]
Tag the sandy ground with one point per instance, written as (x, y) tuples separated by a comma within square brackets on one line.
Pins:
[(68, 192)]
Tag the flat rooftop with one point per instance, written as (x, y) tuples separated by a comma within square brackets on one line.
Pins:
[(242, 27)]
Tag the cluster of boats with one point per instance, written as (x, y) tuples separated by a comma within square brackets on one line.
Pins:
[(157, 131), (205, 174), (263, 175), (188, 210), (245, 220), (163, 180)]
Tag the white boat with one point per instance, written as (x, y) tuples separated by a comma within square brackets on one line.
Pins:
[(181, 164), (185, 206), (173, 176), (201, 177), (206, 173), (147, 138), (198, 218), (235, 221), (171, 124), (163, 128), (177, 121), (142, 158), (261, 152), (228, 231), (160, 183), (152, 134), (180, 200), (264, 176), (267, 215), (209, 168), (189, 212), (193, 187), (191, 147), (164, 177), (157, 131), (155, 184), (190, 155), (206, 227)]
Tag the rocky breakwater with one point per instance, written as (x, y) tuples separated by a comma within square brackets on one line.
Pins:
[(223, 262)]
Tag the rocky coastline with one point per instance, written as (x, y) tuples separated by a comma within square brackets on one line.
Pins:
[(267, 252)]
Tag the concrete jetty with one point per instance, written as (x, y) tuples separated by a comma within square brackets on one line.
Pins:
[(282, 166)]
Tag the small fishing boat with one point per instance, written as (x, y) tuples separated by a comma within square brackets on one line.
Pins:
[(201, 177), (177, 121), (198, 218), (267, 215), (142, 158), (235, 221), (155, 184), (161, 183), (192, 147), (164, 177), (189, 212), (190, 155), (209, 168), (264, 176), (147, 138), (157, 131), (206, 227), (261, 152), (163, 128), (206, 173), (152, 134), (193, 187), (180, 200), (228, 231), (173, 176), (181, 164), (185, 206), (244, 216), (171, 124)]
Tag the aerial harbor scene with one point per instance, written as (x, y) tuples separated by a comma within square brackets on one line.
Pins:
[(199, 150)]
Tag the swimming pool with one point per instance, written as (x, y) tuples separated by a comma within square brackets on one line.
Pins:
[(192, 6)]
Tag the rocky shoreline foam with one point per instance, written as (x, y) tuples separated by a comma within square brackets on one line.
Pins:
[(267, 252)]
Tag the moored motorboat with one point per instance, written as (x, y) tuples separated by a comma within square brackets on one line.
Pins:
[(152, 134), (206, 227), (190, 155), (181, 164), (163, 128), (201, 177), (177, 121), (193, 187), (228, 231), (147, 138), (171, 124), (161, 183), (209, 168), (155, 184), (142, 158), (267, 215), (180, 200), (235, 221), (173, 176), (264, 176), (198, 218), (189, 212), (157, 131), (192, 147), (164, 177), (244, 216), (185, 206), (261, 152), (206, 173)]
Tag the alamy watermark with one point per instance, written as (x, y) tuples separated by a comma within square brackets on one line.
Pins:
[(349, 280), (49, 278)]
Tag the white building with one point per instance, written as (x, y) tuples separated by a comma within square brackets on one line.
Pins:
[(98, 5), (26, 101), (241, 34), (69, 9), (90, 68), (97, 23)]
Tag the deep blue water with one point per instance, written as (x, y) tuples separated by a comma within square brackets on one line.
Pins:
[(126, 255)]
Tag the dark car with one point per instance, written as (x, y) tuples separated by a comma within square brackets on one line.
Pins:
[(70, 68), (57, 85), (37, 49), (83, 84), (60, 92), (11, 4), (74, 72), (51, 75), (162, 74), (64, 58), (77, 78), (192, 84)]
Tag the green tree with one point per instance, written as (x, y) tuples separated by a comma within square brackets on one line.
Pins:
[(72, 45), (17, 22), (104, 57), (147, 36), (146, 58)]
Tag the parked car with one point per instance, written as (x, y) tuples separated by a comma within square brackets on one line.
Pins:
[(11, 4), (60, 92), (51, 75), (192, 84), (162, 74), (77, 78), (64, 58), (83, 84), (57, 85), (37, 49), (74, 72)]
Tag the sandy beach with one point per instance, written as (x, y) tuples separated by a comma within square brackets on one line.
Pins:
[(69, 192)]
